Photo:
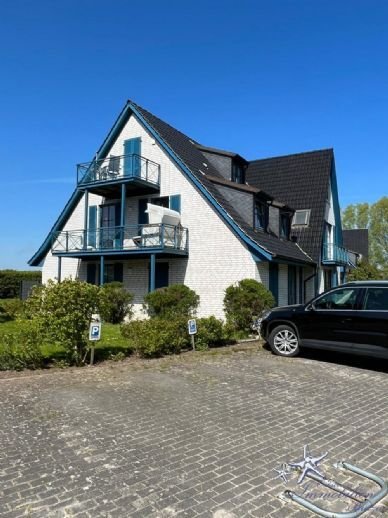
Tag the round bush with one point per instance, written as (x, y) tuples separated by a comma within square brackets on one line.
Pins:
[(115, 302), (21, 349), (156, 337), (210, 333), (173, 301), (244, 301)]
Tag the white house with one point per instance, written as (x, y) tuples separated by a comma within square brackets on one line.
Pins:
[(226, 218)]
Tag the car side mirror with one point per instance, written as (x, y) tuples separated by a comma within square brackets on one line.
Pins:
[(310, 307)]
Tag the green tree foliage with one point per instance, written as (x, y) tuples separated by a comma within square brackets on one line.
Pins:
[(210, 333), (115, 302), (10, 281), (62, 312), (374, 217), (173, 301), (364, 272), (244, 301)]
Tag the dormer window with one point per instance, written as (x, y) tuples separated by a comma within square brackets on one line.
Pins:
[(261, 216), (301, 218), (284, 226), (238, 175)]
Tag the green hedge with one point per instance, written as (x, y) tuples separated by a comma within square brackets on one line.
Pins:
[(10, 281)]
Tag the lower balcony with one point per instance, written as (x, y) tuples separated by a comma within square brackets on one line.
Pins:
[(334, 254), (132, 240)]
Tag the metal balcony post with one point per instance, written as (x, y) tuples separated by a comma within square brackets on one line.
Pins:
[(162, 235), (86, 218), (122, 213), (59, 268), (146, 176), (101, 270), (67, 240), (152, 272)]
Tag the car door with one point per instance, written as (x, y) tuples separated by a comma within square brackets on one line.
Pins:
[(329, 320), (371, 325)]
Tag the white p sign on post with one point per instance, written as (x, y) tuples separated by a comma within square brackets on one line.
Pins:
[(192, 327), (95, 331)]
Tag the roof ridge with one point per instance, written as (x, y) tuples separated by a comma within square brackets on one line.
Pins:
[(330, 149)]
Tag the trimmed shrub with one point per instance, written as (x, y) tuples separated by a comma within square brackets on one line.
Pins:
[(173, 301), (21, 349), (156, 337), (62, 312), (244, 301), (115, 302), (210, 333), (12, 308)]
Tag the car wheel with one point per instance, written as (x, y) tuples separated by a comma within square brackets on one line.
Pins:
[(284, 341)]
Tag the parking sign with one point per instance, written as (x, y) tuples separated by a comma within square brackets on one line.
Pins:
[(95, 331), (192, 325)]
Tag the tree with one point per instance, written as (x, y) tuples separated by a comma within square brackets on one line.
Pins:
[(364, 272), (62, 313), (374, 217)]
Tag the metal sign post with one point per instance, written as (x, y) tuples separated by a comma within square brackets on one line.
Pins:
[(94, 334), (192, 327)]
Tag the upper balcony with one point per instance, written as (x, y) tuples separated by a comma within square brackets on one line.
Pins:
[(105, 176), (334, 254), (131, 240)]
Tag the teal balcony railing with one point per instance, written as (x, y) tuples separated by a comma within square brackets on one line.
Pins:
[(116, 168), (132, 238), (334, 254)]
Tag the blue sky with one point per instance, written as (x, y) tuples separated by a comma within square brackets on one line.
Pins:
[(262, 78)]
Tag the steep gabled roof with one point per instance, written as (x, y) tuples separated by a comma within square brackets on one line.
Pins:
[(357, 240), (302, 182), (190, 159)]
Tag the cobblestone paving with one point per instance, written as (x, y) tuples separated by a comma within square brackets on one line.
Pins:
[(199, 435)]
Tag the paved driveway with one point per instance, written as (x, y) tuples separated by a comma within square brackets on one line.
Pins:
[(191, 436)]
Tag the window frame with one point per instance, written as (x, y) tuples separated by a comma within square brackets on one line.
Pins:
[(262, 204), (357, 304), (307, 218), (284, 216), (366, 298)]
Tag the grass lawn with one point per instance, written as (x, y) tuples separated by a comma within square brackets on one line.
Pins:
[(110, 344)]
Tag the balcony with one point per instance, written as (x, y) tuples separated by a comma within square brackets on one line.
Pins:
[(133, 240), (105, 176), (334, 254)]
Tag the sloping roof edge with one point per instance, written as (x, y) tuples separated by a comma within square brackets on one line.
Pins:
[(129, 109)]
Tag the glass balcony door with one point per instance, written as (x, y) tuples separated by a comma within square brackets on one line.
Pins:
[(110, 226)]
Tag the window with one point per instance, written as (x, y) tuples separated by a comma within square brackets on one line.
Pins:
[(161, 276), (237, 173), (376, 299), (301, 217), (284, 226), (261, 216), (343, 299)]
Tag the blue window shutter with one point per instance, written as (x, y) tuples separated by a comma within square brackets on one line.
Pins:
[(132, 152), (118, 272), (143, 216), (91, 269), (92, 225), (274, 281), (175, 202)]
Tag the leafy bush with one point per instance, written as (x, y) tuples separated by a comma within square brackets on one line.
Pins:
[(210, 333), (11, 308), (364, 272), (21, 349), (170, 302), (244, 301), (115, 302), (156, 337), (10, 281), (63, 312)]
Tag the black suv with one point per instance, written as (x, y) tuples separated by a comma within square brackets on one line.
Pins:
[(350, 318)]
